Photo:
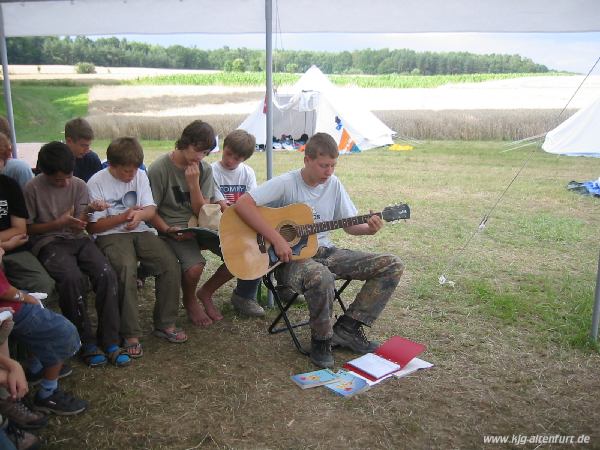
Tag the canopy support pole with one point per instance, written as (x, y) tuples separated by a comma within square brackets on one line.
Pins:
[(6, 86), (596, 313), (269, 100)]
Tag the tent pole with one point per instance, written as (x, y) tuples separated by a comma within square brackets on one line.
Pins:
[(269, 100), (6, 86), (596, 313), (269, 86)]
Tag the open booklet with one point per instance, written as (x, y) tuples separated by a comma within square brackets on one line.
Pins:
[(388, 358), (205, 234), (315, 378)]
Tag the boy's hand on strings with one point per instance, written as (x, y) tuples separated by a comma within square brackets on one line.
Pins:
[(375, 223), (282, 250)]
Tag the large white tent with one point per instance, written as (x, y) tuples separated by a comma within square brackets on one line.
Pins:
[(579, 135), (313, 105)]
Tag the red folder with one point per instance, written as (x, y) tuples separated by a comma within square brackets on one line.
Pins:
[(396, 349)]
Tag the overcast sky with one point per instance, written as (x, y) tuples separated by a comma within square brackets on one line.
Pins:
[(576, 52)]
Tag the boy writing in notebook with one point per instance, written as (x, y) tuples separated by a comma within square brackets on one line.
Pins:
[(316, 185), (58, 205), (123, 236)]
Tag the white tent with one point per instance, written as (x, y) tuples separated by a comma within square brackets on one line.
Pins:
[(314, 105), (579, 135)]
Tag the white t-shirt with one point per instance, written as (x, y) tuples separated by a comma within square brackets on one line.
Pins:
[(233, 183), (120, 196), (329, 201)]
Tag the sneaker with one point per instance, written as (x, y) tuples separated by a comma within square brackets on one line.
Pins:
[(22, 416), (349, 333), (246, 306), (320, 353), (60, 403), (35, 378), (21, 439)]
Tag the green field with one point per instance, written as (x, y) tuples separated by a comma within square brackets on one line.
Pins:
[(41, 111), (364, 81)]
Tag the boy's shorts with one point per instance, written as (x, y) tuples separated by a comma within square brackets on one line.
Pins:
[(48, 335), (189, 252)]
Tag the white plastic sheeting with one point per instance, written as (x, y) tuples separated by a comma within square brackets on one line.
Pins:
[(93, 17)]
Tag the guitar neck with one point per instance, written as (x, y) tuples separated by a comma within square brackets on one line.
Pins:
[(313, 228)]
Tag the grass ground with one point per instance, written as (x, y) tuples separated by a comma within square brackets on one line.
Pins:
[(509, 340)]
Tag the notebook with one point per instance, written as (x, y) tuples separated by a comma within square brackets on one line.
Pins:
[(389, 357)]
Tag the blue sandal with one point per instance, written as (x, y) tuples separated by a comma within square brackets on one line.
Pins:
[(92, 356), (118, 356)]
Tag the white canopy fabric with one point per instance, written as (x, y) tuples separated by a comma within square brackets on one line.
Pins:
[(579, 135), (94, 17), (314, 105)]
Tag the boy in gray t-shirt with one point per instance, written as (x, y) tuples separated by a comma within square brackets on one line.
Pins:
[(316, 186)]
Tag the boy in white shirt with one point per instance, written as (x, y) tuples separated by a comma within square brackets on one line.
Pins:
[(123, 236), (234, 178)]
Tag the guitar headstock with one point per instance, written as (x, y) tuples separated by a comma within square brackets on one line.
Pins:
[(396, 212)]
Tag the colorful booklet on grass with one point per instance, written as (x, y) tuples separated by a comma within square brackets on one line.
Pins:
[(348, 384), (314, 379), (390, 357)]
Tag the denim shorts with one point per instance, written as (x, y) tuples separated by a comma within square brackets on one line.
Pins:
[(48, 335)]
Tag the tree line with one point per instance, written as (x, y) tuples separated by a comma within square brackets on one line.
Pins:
[(116, 52)]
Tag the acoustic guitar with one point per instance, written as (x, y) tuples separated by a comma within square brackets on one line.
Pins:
[(248, 255)]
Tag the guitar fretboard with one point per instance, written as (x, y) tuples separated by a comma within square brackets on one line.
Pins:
[(313, 228)]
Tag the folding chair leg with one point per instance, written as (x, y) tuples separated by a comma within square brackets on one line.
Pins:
[(338, 293), (283, 315)]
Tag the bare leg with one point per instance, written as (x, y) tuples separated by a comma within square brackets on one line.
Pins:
[(205, 293), (195, 310), (52, 372)]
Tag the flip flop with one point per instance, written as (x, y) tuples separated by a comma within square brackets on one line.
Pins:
[(171, 336), (134, 350)]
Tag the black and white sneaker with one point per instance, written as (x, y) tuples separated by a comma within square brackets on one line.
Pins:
[(60, 403)]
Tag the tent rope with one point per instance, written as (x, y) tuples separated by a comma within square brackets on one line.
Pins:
[(443, 280)]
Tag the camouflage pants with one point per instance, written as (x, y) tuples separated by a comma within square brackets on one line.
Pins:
[(315, 278)]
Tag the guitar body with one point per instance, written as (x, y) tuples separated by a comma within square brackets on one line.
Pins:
[(247, 255)]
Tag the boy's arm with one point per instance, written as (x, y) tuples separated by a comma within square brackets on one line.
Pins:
[(64, 221), (131, 216), (246, 208), (193, 174), (16, 235), (13, 377)]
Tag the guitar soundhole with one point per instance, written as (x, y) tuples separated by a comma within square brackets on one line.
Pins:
[(288, 232)]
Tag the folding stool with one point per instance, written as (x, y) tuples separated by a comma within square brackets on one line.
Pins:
[(268, 281)]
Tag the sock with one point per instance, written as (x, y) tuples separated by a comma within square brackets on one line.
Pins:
[(98, 359), (47, 388), (34, 364), (121, 359)]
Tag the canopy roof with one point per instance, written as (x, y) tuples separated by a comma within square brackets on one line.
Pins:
[(94, 17)]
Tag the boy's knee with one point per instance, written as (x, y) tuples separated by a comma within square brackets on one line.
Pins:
[(194, 272), (320, 278), (396, 265)]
